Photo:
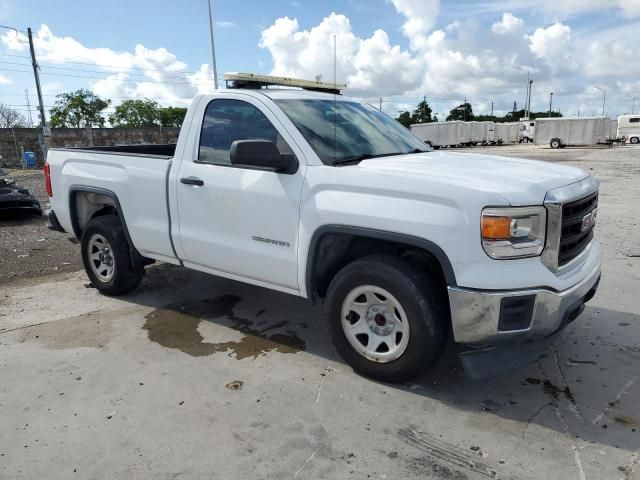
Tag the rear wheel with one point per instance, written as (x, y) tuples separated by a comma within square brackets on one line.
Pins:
[(386, 318), (555, 143), (106, 257), (634, 140)]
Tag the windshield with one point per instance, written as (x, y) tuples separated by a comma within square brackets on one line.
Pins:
[(341, 131)]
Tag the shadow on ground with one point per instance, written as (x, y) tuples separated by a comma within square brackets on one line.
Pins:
[(582, 386)]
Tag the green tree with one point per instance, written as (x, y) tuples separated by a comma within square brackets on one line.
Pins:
[(518, 114), (81, 108), (136, 114), (461, 112), (172, 116), (422, 113), (405, 119)]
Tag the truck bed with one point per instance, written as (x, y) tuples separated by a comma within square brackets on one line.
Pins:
[(134, 174), (147, 150)]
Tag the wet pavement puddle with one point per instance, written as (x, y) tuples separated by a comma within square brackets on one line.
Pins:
[(176, 326)]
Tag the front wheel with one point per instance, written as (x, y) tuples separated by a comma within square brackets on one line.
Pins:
[(106, 257), (555, 143), (386, 318), (634, 140)]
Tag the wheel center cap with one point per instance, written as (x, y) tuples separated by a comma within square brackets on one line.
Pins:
[(380, 320)]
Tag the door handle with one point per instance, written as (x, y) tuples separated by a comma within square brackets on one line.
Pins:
[(192, 181)]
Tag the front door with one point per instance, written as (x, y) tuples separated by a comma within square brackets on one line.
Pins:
[(239, 221)]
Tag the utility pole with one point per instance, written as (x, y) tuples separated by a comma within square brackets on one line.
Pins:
[(604, 97), (492, 108), (550, 103), (464, 108), (46, 132), (213, 50), (26, 96), (529, 99)]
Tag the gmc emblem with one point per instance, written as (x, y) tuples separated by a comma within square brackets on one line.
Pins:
[(588, 221)]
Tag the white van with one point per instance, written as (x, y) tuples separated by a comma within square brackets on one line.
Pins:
[(629, 126)]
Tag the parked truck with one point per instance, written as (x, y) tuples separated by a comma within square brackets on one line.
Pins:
[(304, 191), (629, 128), (527, 130), (565, 132)]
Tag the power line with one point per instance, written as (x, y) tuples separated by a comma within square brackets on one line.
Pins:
[(182, 76), (108, 78), (93, 64)]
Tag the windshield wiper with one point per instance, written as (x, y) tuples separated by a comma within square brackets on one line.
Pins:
[(367, 156)]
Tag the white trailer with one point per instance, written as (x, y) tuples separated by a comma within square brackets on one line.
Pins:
[(612, 129), (490, 132), (506, 133), (629, 128), (478, 132), (564, 132), (440, 134)]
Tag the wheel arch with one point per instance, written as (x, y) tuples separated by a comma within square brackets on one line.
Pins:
[(107, 204), (323, 263)]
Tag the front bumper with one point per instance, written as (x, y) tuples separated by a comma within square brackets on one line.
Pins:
[(508, 329), (488, 317)]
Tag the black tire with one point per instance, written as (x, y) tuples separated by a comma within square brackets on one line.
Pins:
[(555, 143), (634, 140), (420, 298), (125, 277)]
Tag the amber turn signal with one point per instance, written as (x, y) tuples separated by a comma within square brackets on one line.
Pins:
[(496, 228)]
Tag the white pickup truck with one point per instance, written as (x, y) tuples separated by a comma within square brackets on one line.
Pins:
[(327, 198)]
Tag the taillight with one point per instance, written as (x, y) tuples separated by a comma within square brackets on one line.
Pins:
[(47, 179)]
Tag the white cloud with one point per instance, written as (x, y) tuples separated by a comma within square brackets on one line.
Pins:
[(601, 60), (144, 72), (553, 45), (420, 15), (630, 8), (4, 80), (367, 65), (508, 24), (559, 9)]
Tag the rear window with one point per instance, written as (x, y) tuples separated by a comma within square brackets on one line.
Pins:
[(634, 120)]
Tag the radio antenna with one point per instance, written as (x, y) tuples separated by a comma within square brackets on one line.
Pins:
[(335, 111)]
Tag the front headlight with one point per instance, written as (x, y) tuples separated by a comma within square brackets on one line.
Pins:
[(513, 232)]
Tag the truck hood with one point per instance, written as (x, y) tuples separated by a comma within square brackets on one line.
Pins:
[(519, 181)]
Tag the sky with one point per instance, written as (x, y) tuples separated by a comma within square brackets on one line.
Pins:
[(400, 51)]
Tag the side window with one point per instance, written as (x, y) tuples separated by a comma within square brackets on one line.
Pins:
[(226, 121), (634, 120)]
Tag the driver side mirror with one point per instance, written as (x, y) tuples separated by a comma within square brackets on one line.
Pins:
[(262, 154)]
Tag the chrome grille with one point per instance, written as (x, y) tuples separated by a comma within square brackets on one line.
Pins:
[(565, 206), (577, 227)]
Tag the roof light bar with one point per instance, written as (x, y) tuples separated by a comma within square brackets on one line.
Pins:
[(254, 81)]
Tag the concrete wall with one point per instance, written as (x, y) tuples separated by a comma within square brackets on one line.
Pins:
[(27, 138)]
